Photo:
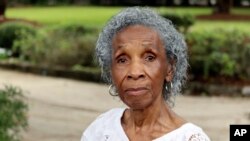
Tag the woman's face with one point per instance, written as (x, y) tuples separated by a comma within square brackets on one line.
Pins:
[(139, 66)]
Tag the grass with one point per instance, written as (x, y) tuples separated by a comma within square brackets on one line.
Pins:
[(221, 24), (186, 10), (244, 11), (205, 24), (92, 16), (97, 16)]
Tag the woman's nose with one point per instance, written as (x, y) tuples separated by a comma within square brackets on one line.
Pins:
[(136, 71)]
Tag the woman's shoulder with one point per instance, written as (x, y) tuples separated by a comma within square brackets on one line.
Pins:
[(194, 133), (104, 122), (107, 117), (187, 132), (191, 132)]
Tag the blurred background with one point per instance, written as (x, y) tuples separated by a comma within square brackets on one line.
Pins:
[(50, 86)]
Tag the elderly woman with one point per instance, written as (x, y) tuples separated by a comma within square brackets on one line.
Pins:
[(144, 59)]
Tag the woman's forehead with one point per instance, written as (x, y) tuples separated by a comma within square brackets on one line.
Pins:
[(137, 32)]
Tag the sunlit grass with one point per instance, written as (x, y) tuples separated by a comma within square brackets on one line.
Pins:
[(97, 16), (185, 10)]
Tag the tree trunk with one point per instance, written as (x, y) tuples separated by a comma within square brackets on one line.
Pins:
[(236, 3), (150, 2), (3, 6), (223, 7), (185, 3), (169, 2)]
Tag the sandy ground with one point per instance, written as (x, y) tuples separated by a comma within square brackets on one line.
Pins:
[(60, 109)]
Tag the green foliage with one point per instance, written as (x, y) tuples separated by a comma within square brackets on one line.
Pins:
[(11, 31), (94, 70), (40, 2), (63, 47), (182, 21), (3, 54), (72, 29), (13, 113), (219, 53)]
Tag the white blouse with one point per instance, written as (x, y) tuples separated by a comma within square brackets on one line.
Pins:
[(107, 127)]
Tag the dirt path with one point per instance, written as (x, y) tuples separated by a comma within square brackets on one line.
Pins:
[(60, 109)]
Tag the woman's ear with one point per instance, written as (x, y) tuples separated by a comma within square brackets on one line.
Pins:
[(170, 73), (170, 67)]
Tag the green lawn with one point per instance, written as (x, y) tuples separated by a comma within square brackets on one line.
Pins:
[(91, 16), (219, 24), (97, 16), (185, 10)]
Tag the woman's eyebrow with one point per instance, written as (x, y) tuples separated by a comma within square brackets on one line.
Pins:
[(147, 44), (120, 46), (150, 45), (119, 49)]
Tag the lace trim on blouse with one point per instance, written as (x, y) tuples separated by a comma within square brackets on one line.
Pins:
[(197, 137)]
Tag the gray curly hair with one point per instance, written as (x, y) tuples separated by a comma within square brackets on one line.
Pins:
[(173, 42)]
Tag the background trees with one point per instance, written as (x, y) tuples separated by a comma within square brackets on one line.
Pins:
[(3, 5), (223, 6)]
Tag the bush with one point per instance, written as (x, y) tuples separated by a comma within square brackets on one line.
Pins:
[(58, 49), (72, 29), (11, 31), (13, 113), (220, 52), (3, 54), (182, 21)]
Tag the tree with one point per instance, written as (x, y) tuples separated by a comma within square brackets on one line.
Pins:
[(223, 7), (169, 2), (185, 3), (237, 2), (3, 5)]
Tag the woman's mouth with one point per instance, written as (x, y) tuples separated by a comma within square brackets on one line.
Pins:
[(136, 91)]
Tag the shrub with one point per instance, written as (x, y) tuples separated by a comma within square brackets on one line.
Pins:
[(58, 49), (13, 113), (72, 29), (11, 31), (220, 52), (182, 21), (3, 53)]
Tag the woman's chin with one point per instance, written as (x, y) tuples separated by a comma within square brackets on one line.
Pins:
[(138, 101), (136, 105)]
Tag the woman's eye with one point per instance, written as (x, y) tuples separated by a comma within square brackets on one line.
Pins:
[(150, 58), (121, 60)]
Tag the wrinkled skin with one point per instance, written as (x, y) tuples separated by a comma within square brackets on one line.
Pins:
[(139, 70), (139, 66)]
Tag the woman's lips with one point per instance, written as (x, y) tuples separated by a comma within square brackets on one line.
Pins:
[(136, 91)]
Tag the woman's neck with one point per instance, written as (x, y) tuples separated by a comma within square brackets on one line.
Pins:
[(149, 116), (157, 118)]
